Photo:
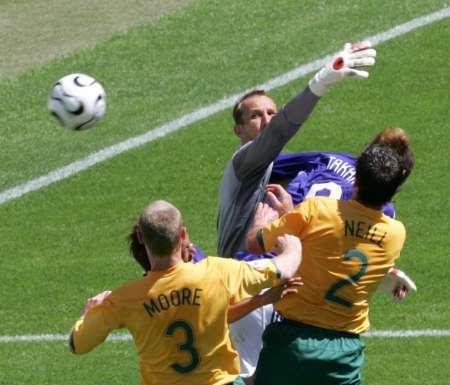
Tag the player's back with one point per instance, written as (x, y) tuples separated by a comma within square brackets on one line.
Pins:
[(310, 174), (179, 324), (178, 319), (330, 174), (347, 249)]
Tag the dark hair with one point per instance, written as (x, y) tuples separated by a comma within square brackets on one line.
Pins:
[(238, 110), (160, 226), (137, 249), (379, 173), (397, 139)]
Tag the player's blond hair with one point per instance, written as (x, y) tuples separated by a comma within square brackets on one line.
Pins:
[(160, 226)]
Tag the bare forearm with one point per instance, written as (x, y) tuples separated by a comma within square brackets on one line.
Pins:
[(288, 248), (246, 306)]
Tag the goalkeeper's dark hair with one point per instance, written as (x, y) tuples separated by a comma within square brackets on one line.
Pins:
[(383, 167), (238, 109)]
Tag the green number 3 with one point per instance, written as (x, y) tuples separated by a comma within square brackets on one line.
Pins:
[(187, 346), (331, 293)]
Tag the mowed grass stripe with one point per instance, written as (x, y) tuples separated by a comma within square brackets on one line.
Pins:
[(202, 113)]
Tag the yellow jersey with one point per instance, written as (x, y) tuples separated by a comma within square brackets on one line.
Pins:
[(178, 319), (347, 250)]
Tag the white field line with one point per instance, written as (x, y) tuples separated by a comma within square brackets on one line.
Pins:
[(127, 337), (202, 113)]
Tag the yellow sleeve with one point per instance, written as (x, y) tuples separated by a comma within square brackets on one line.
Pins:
[(291, 223), (395, 243), (243, 280), (92, 330)]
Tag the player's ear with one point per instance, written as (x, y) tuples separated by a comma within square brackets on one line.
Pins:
[(184, 235), (238, 130)]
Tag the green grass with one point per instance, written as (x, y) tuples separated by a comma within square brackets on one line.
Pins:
[(50, 363), (412, 361), (28, 44), (67, 242), (191, 58)]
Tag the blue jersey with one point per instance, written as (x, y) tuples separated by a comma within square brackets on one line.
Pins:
[(198, 256), (316, 173), (330, 174)]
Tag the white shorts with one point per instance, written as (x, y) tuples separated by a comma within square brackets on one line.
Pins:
[(246, 335)]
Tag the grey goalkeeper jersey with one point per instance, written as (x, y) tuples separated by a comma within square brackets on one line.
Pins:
[(248, 172)]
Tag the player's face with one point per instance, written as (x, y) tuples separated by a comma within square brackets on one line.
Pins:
[(258, 112)]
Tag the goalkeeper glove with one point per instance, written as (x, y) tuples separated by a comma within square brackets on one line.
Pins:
[(397, 284), (343, 66)]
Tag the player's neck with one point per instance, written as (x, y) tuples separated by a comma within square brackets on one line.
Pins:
[(373, 207), (165, 263), (370, 206)]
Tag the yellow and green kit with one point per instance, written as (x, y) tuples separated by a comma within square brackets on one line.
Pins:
[(347, 250), (178, 319)]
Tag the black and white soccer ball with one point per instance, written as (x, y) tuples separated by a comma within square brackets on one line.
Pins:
[(78, 101)]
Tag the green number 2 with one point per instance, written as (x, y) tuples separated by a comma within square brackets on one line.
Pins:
[(187, 346), (331, 293)]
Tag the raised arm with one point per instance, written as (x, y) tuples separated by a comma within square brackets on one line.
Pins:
[(274, 294), (255, 156), (259, 153)]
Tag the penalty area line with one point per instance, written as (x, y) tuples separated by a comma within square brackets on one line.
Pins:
[(202, 113), (127, 337)]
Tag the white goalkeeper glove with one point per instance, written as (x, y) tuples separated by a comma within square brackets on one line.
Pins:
[(344, 65), (397, 284)]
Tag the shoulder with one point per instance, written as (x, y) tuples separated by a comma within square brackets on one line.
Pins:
[(396, 227), (242, 148), (220, 263), (125, 290), (395, 235), (315, 203)]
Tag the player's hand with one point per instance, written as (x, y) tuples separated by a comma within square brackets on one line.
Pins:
[(264, 214), (290, 286), (187, 251), (344, 65), (95, 301), (279, 199), (397, 284)]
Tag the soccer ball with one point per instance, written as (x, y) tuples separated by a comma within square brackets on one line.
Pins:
[(78, 101)]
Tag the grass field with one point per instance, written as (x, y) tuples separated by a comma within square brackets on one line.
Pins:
[(66, 242)]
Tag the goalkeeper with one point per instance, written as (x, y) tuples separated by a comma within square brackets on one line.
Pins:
[(263, 133)]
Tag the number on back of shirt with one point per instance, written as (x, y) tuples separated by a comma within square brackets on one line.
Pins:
[(329, 189), (187, 347)]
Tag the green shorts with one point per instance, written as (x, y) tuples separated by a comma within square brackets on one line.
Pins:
[(297, 354)]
